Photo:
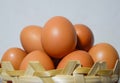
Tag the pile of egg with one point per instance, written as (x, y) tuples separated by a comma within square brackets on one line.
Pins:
[(57, 42)]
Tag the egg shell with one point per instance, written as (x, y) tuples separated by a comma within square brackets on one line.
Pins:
[(85, 37), (80, 55), (30, 38), (58, 37), (40, 56), (104, 52), (15, 56)]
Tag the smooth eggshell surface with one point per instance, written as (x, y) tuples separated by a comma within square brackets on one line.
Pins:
[(40, 56), (30, 38), (80, 55), (104, 52), (85, 37), (59, 37), (15, 56)]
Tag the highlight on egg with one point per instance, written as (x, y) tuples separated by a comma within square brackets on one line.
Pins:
[(58, 37), (85, 37), (15, 55), (80, 55), (30, 37), (57, 42), (104, 52), (39, 56)]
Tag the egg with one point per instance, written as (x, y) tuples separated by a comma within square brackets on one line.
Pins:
[(104, 52), (40, 56), (30, 38), (85, 37), (80, 55), (15, 56), (58, 37)]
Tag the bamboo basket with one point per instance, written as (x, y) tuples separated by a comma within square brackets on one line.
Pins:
[(72, 73)]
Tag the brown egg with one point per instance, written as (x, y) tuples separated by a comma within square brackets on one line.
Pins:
[(58, 37), (30, 38), (40, 56), (81, 55), (15, 56), (104, 52), (85, 37)]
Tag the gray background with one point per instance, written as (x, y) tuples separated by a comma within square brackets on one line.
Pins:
[(102, 16)]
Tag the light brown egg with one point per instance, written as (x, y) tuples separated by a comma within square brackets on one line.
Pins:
[(85, 37), (30, 38), (80, 55), (58, 37), (40, 56), (104, 52), (14, 55)]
